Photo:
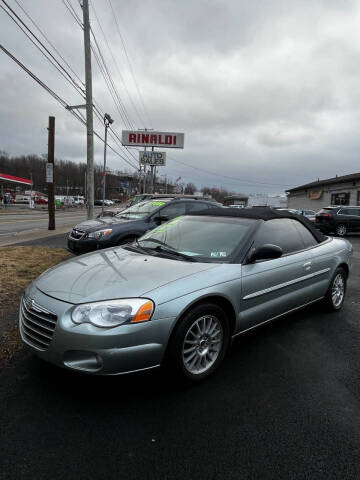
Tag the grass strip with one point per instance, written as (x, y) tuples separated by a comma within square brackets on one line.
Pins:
[(18, 267)]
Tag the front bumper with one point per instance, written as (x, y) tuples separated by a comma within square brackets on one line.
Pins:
[(89, 349), (85, 245)]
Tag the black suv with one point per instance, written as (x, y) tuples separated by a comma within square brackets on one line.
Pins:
[(339, 220), (131, 223)]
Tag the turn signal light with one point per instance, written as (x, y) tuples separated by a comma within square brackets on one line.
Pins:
[(144, 313)]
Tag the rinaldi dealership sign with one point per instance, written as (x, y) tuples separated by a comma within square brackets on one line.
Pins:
[(134, 138)]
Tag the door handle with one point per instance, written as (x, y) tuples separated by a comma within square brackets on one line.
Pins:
[(307, 265)]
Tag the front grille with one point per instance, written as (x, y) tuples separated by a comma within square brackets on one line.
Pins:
[(76, 234), (37, 323)]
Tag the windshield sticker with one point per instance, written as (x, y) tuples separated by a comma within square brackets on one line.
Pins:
[(157, 204), (218, 254)]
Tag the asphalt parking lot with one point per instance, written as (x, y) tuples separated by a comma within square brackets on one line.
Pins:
[(284, 405)]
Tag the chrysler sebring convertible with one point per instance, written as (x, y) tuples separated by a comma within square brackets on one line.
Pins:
[(177, 296)]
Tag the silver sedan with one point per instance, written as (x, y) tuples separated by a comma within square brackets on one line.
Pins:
[(177, 296)]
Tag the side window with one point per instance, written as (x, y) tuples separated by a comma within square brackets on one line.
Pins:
[(344, 211), (281, 232), (173, 210), (197, 206), (307, 237)]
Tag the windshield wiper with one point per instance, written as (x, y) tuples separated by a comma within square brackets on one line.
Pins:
[(159, 242), (174, 253), (138, 248)]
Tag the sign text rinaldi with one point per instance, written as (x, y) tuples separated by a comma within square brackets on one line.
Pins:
[(135, 138)]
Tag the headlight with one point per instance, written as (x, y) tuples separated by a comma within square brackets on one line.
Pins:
[(113, 313), (100, 233)]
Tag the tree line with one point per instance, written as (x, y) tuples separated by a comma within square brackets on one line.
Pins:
[(70, 178)]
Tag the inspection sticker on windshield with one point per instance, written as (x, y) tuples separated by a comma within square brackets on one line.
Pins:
[(218, 254), (157, 204)]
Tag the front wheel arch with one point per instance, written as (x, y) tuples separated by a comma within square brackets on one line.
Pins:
[(218, 300)]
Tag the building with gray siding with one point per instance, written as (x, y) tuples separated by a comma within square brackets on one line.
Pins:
[(342, 190)]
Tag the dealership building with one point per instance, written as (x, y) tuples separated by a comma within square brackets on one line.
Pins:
[(343, 190)]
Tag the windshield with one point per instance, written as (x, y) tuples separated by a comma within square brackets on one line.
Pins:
[(209, 239), (140, 210)]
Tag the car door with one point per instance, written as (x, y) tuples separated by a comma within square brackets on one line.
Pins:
[(349, 217), (271, 288)]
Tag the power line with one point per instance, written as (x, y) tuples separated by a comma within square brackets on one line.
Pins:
[(73, 13), (109, 82), (47, 54), (24, 28), (129, 63), (49, 42), (244, 182), (117, 66), (60, 100)]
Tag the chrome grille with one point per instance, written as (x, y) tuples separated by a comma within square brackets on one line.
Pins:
[(37, 323), (76, 234)]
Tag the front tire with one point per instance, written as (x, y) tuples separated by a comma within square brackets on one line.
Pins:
[(341, 230), (335, 295), (199, 343)]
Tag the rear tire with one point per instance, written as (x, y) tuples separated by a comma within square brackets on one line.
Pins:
[(335, 295), (341, 230), (199, 343)]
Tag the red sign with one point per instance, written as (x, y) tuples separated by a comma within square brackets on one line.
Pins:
[(11, 178), (152, 139)]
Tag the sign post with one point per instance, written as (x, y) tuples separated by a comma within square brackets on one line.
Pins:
[(146, 138)]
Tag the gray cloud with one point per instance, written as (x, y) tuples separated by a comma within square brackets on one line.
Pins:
[(267, 93)]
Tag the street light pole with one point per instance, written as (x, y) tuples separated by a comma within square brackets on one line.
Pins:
[(107, 121)]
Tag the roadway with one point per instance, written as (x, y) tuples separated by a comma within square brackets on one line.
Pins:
[(285, 404), (21, 222)]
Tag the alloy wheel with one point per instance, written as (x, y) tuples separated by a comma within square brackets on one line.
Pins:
[(338, 290), (202, 344), (341, 230)]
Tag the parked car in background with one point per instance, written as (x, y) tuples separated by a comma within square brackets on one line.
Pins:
[(140, 197), (339, 220), (130, 223), (179, 295), (309, 214)]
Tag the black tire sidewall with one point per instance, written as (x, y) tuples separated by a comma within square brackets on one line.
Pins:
[(173, 359)]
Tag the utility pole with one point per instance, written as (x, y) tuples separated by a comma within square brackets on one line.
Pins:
[(50, 173), (89, 112)]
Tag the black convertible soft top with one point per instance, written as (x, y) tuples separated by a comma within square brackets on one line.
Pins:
[(261, 213)]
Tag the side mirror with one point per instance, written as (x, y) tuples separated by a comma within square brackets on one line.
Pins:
[(265, 252)]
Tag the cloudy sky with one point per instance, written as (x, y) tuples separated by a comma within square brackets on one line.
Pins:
[(267, 92)]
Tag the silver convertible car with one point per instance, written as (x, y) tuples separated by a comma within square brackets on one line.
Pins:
[(178, 295)]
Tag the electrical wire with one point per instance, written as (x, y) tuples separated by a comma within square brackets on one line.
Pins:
[(244, 182), (129, 63), (62, 102), (30, 35), (117, 66), (43, 49), (48, 41)]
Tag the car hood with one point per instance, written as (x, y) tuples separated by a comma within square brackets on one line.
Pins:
[(97, 223), (113, 273)]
